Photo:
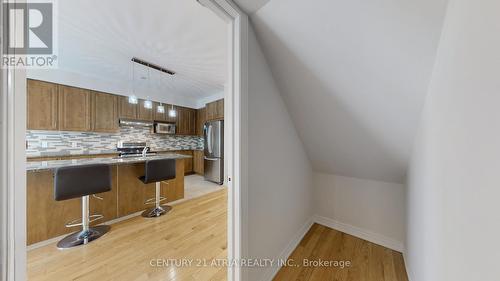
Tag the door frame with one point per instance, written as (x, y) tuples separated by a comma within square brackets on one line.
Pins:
[(235, 130), (13, 150), (13, 169)]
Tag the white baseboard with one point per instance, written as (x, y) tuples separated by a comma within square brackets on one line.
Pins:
[(294, 242), (360, 233)]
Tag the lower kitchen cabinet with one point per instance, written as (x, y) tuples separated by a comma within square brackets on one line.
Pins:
[(198, 167), (132, 192), (46, 218), (188, 162), (174, 189)]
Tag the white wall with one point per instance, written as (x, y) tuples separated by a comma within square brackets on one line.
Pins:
[(279, 172), (453, 223), (371, 210)]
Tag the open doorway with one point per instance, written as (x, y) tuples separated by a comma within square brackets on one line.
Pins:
[(74, 126)]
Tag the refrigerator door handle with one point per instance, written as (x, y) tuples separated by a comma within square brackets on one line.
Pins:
[(211, 159), (209, 138)]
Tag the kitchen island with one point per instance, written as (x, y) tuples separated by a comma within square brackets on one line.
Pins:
[(46, 218)]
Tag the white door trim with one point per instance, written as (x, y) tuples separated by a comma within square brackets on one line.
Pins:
[(235, 128), (13, 170), (13, 153)]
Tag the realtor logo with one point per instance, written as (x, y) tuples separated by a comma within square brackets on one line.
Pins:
[(28, 35)]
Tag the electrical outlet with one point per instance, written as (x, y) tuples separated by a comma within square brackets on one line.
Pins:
[(45, 144), (74, 144)]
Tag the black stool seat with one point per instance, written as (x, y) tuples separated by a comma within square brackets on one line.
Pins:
[(156, 171), (78, 181), (82, 181)]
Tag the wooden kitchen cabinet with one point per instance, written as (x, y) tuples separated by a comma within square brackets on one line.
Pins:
[(188, 162), (144, 113), (52, 106), (126, 110), (201, 117), (186, 121), (215, 110), (132, 192), (104, 112), (198, 162), (174, 189), (74, 109), (159, 116), (42, 103)]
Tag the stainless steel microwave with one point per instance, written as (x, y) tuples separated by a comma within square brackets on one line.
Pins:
[(164, 128)]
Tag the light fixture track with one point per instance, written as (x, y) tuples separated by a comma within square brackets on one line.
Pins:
[(153, 66)]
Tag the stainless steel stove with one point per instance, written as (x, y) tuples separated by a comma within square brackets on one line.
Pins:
[(133, 149)]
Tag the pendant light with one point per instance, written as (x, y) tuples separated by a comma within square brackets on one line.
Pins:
[(148, 104), (172, 112), (133, 99), (160, 109)]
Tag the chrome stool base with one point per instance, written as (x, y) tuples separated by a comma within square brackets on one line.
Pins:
[(156, 211), (83, 237)]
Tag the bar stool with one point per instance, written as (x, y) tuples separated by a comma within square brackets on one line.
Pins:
[(82, 181), (156, 171)]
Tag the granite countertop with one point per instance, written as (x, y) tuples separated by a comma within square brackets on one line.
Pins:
[(53, 164), (101, 152)]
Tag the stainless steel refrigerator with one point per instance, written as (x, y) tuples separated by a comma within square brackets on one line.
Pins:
[(213, 132)]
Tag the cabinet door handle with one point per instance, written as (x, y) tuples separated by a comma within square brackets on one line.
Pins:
[(97, 197)]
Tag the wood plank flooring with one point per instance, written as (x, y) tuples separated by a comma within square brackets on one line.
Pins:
[(196, 230), (369, 262), (193, 230)]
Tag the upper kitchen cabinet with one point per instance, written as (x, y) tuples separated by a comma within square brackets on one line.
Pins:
[(74, 109), (42, 103), (157, 116), (104, 112), (186, 121), (126, 110), (215, 110), (201, 116), (144, 113)]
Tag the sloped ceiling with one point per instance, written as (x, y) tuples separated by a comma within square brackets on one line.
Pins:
[(354, 75), (251, 6), (97, 39)]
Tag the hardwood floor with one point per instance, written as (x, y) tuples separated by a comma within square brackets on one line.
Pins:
[(369, 262), (196, 230), (193, 230)]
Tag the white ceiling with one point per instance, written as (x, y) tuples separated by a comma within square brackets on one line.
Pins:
[(354, 75), (98, 38), (251, 6)]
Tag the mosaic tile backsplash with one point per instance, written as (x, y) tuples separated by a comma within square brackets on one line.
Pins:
[(55, 143)]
